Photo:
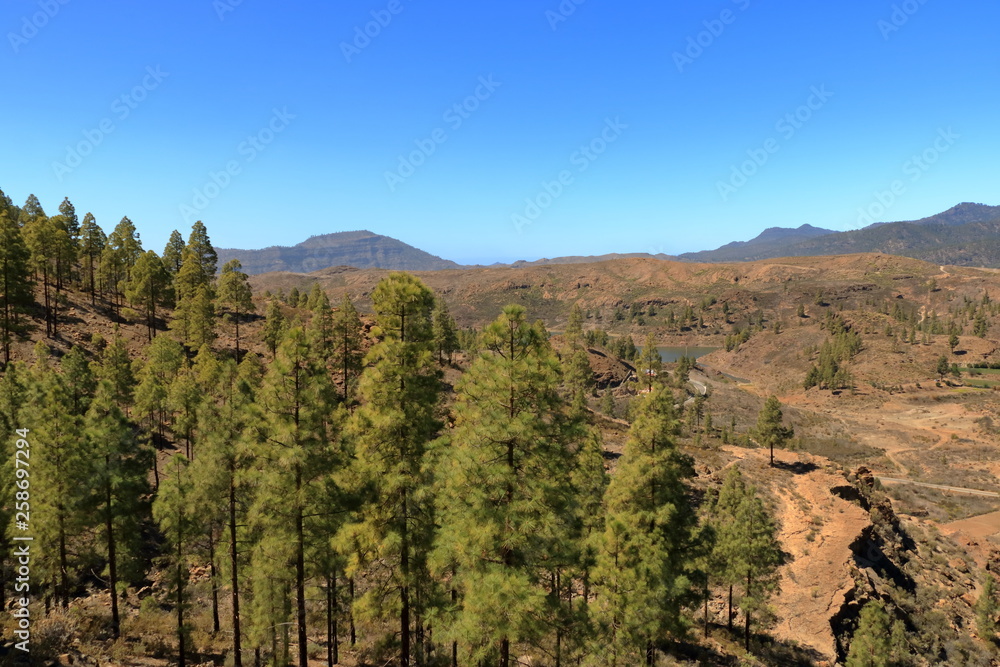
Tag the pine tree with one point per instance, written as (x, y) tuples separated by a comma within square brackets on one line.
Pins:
[(506, 507), (399, 395), (299, 422), (746, 550), (164, 359), (116, 367), (872, 645), (124, 251), (118, 479), (173, 511), (235, 295), (722, 513), (769, 431), (223, 475), (761, 558), (650, 363), (608, 403), (42, 238), (347, 356), (15, 285), (31, 211), (445, 338), (321, 323), (987, 609), (92, 243), (194, 319), (173, 253), (645, 572), (59, 476), (202, 251), (590, 481), (184, 399), (147, 288), (578, 375), (68, 225), (274, 326), (13, 408)]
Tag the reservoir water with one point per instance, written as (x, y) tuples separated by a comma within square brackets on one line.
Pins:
[(672, 354)]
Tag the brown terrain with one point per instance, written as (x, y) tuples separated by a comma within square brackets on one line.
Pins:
[(849, 537)]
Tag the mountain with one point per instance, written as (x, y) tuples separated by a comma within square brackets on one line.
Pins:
[(966, 234), (767, 244), (971, 244), (359, 249), (588, 259), (962, 214)]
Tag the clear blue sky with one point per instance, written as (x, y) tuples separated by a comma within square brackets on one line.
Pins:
[(678, 127)]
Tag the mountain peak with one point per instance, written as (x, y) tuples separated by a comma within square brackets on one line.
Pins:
[(360, 249)]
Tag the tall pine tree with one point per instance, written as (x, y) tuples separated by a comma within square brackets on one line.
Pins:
[(505, 496), (399, 394), (235, 295), (646, 567), (15, 285)]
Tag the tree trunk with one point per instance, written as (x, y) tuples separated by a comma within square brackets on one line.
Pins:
[(213, 580), (152, 439), (558, 592), (333, 631), (729, 622), (746, 634), (300, 575), (350, 616), (454, 602), (706, 611), (404, 593), (112, 565), (63, 567), (180, 593), (234, 568), (93, 293)]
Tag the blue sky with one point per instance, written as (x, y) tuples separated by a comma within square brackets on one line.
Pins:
[(580, 128)]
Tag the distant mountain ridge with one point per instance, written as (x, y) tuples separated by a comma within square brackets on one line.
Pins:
[(765, 245), (966, 234), (361, 249)]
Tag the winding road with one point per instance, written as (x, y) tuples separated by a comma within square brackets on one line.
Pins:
[(941, 487)]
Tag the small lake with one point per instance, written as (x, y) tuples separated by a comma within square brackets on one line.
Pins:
[(672, 354)]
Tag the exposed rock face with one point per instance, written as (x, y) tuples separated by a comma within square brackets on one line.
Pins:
[(927, 580), (608, 371)]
